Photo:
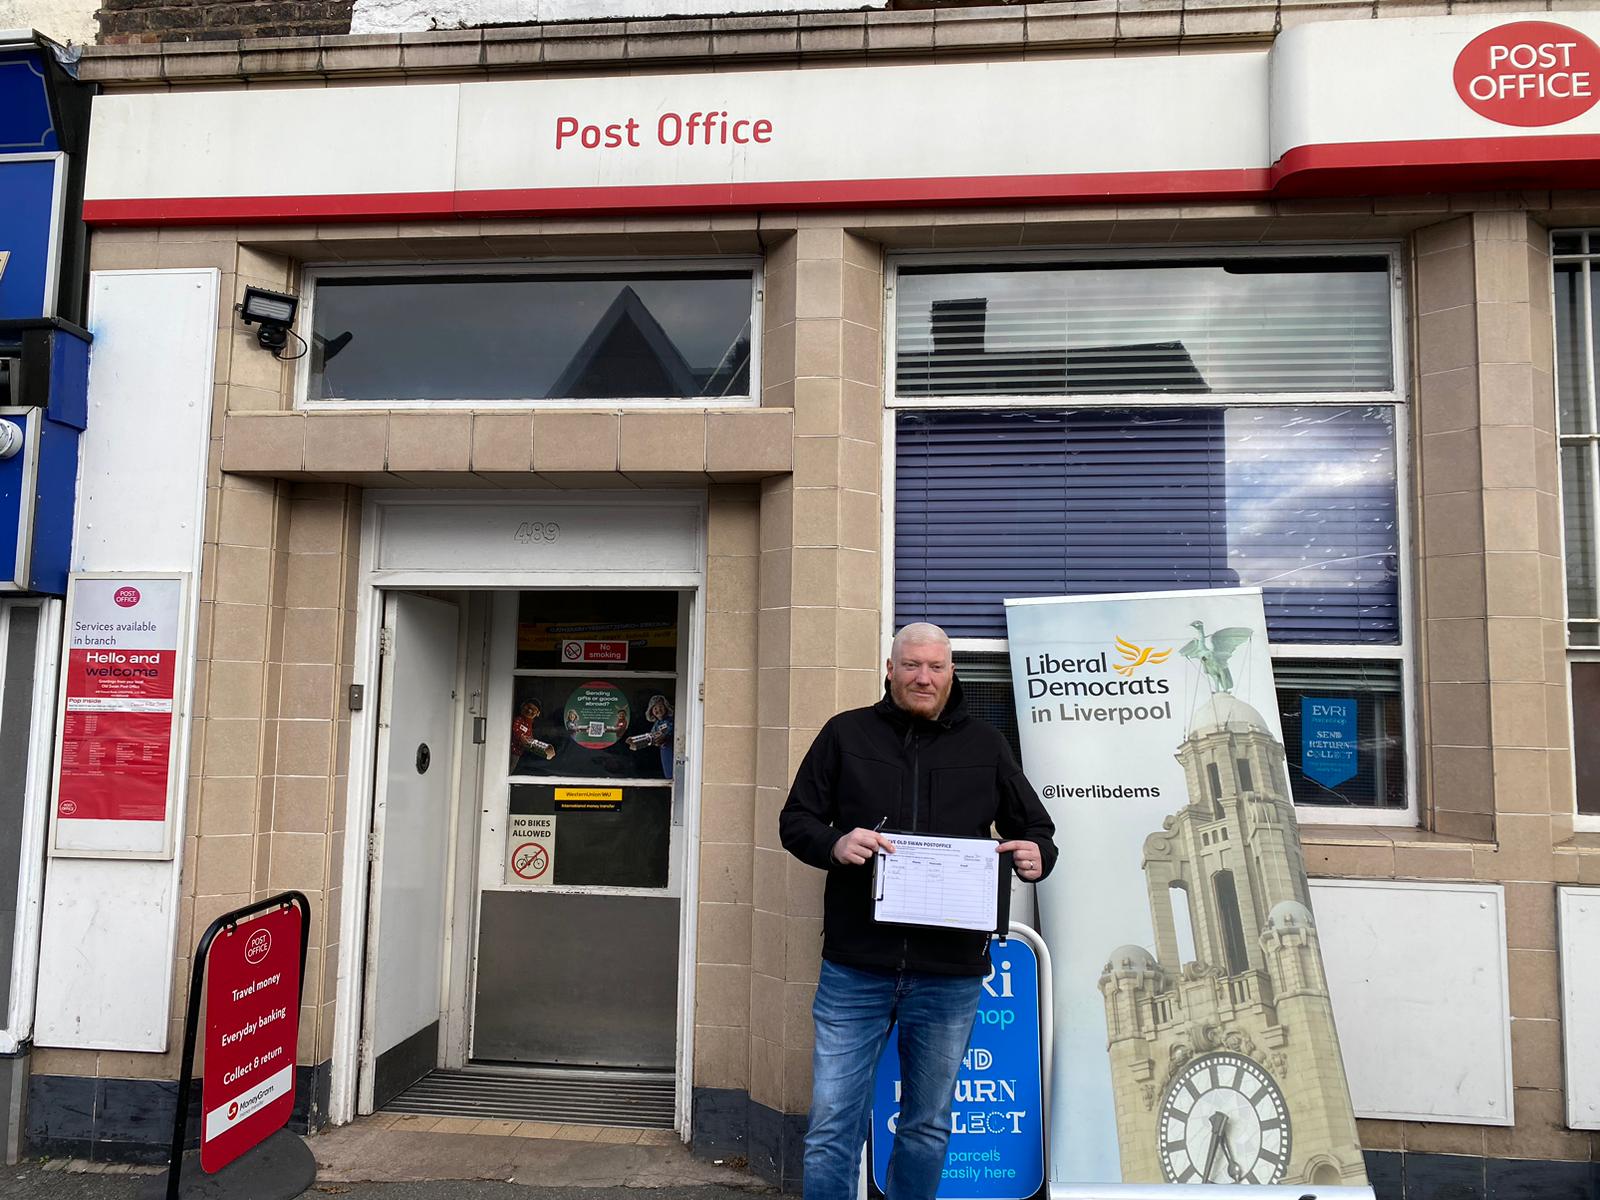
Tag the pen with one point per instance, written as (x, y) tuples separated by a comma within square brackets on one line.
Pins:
[(882, 821)]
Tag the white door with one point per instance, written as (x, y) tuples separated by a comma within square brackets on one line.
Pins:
[(411, 824)]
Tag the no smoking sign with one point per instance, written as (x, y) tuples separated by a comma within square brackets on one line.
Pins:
[(531, 849)]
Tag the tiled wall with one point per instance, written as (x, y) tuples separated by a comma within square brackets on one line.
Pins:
[(794, 594)]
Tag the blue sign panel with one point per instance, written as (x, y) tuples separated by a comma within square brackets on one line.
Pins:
[(997, 1123), (27, 230), (18, 483), (1327, 739), (26, 124)]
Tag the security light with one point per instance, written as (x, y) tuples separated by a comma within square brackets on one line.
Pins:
[(274, 312)]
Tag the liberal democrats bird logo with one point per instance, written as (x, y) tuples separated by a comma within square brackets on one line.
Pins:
[(1137, 656)]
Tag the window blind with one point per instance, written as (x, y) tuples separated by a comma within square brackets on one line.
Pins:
[(1256, 325), (1298, 500)]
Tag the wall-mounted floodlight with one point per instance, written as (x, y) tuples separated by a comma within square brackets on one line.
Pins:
[(273, 312)]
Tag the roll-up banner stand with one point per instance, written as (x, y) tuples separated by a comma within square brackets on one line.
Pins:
[(1194, 1036)]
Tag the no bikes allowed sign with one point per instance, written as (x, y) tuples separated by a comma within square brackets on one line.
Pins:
[(531, 849)]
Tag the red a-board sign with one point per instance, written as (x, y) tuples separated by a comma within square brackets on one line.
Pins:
[(252, 1028)]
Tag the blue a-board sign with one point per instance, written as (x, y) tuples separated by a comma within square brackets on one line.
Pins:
[(997, 1124), (1328, 739)]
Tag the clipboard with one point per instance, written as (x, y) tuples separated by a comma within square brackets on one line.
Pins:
[(942, 883)]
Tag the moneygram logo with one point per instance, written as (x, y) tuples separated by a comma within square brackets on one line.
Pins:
[(125, 597), (1135, 657)]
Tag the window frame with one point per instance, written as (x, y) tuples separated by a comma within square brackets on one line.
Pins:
[(314, 273), (1581, 822), (1395, 398)]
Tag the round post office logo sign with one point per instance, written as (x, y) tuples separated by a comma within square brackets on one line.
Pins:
[(258, 947), (1529, 73), (126, 597)]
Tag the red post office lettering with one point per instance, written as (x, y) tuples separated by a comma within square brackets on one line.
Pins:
[(708, 128)]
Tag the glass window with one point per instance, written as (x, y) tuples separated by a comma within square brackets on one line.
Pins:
[(1318, 324), (605, 837), (1217, 421), (1344, 726), (1344, 731), (504, 336), (593, 726), (1586, 734), (991, 504), (1575, 303), (636, 630), (1577, 296)]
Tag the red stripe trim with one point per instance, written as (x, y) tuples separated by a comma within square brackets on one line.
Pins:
[(1554, 160), (1445, 164), (708, 197)]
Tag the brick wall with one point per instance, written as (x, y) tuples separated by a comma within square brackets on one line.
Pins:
[(124, 21)]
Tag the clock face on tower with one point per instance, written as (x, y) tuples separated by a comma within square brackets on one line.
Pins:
[(1223, 1120)]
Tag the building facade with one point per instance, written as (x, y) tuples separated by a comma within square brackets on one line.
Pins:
[(44, 354), (642, 376)]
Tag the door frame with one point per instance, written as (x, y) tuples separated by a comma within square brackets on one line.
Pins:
[(586, 567)]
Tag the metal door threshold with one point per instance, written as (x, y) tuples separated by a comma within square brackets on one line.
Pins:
[(557, 1096)]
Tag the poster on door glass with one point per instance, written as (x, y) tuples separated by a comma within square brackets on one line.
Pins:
[(596, 837), (593, 727), (597, 630)]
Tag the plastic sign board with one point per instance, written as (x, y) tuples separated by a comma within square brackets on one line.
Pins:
[(997, 1123), (594, 652), (19, 491), (1194, 1037), (531, 849), (122, 701), (252, 1028), (30, 230), (1529, 74)]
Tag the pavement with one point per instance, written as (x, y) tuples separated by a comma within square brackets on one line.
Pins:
[(425, 1158)]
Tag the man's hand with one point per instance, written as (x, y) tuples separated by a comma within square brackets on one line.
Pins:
[(1028, 863), (859, 845)]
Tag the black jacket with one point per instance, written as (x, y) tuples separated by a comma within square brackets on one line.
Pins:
[(954, 776)]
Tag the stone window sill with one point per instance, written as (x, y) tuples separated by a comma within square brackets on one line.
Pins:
[(1370, 835)]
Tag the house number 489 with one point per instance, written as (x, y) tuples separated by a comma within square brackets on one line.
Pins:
[(537, 531)]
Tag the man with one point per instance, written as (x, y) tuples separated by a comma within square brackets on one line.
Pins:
[(915, 762)]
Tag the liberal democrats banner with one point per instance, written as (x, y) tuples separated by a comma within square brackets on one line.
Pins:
[(1194, 1037)]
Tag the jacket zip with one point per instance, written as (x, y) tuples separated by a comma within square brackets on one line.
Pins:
[(916, 803), (916, 782)]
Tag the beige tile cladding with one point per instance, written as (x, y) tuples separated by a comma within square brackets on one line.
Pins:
[(548, 448), (723, 954), (1497, 788), (793, 593), (266, 765), (818, 604)]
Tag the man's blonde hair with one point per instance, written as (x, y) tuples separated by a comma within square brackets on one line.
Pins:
[(918, 633)]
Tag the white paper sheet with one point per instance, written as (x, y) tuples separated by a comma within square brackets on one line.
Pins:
[(949, 882)]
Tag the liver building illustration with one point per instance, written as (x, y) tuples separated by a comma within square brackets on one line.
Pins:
[(1226, 1069)]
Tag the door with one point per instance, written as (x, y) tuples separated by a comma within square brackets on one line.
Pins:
[(411, 823), (582, 848)]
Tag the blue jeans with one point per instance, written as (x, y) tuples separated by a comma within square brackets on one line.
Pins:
[(854, 1012)]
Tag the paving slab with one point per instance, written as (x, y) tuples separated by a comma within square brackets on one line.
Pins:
[(427, 1158), (568, 1156)]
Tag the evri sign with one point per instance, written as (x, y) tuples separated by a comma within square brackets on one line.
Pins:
[(996, 1147)]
